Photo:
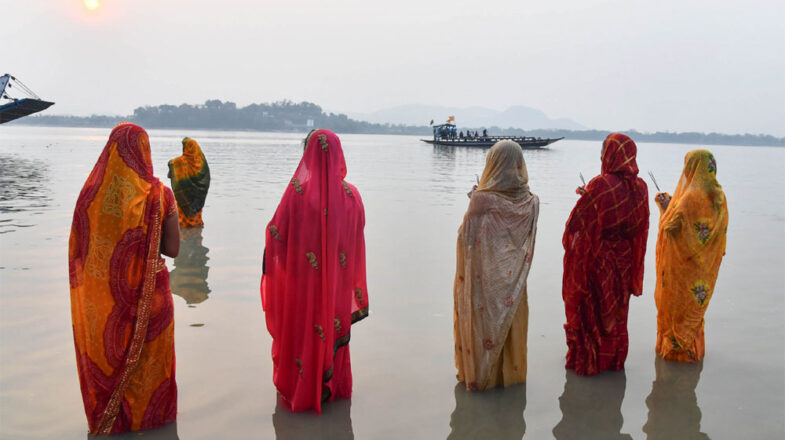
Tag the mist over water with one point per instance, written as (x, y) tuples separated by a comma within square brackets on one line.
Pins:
[(402, 355)]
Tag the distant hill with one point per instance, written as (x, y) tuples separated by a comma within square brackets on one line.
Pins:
[(519, 116)]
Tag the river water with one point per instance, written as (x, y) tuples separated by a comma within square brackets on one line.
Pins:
[(402, 355)]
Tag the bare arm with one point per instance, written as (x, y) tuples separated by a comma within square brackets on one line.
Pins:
[(170, 237)]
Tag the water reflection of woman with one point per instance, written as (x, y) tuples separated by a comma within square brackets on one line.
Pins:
[(495, 249), (313, 288), (494, 414), (604, 245), (591, 407), (121, 304), (673, 406), (690, 247), (335, 423), (190, 181), (189, 276)]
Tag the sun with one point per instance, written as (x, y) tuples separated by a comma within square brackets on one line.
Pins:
[(92, 5)]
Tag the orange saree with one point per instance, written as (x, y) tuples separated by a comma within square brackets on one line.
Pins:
[(690, 246), (121, 305)]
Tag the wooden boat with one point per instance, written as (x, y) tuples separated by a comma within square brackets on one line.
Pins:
[(14, 108), (445, 134)]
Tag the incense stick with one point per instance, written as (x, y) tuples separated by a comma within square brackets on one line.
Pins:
[(655, 181), (584, 182)]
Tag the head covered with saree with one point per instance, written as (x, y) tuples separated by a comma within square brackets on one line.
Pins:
[(690, 247), (618, 156), (313, 288), (120, 303), (190, 178), (605, 244), (505, 171), (494, 254)]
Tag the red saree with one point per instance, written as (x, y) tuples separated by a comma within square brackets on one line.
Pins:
[(121, 305), (604, 243), (313, 284)]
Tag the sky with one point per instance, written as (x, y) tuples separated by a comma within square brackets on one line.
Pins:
[(666, 65)]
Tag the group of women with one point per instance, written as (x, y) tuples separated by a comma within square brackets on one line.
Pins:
[(314, 267)]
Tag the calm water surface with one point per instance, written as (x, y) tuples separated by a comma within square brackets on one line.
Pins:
[(402, 355)]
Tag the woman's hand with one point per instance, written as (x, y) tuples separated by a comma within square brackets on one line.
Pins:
[(580, 190), (469, 194), (663, 199)]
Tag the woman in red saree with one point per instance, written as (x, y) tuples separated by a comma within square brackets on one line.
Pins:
[(121, 305), (313, 283), (604, 243)]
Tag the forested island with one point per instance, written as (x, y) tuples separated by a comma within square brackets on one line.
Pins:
[(289, 116)]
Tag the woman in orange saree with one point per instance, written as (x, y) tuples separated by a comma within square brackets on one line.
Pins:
[(690, 247), (121, 305), (604, 245), (190, 177), (494, 254), (313, 284)]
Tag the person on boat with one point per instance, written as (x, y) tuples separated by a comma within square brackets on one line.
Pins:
[(190, 177), (494, 254), (121, 304), (484, 133), (313, 284), (460, 135), (690, 246), (604, 245)]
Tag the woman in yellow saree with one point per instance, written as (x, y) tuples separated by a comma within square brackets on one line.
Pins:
[(690, 247), (190, 178), (495, 249), (121, 306)]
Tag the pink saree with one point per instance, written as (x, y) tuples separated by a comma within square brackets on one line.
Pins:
[(313, 283)]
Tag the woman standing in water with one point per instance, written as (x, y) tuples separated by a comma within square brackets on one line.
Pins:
[(190, 178), (604, 243), (121, 305), (495, 249), (313, 283), (690, 247)]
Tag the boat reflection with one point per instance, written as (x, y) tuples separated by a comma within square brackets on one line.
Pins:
[(591, 407), (166, 432), (335, 422), (491, 414), (188, 279), (673, 405)]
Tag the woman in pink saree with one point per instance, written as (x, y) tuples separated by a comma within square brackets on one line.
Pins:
[(313, 283)]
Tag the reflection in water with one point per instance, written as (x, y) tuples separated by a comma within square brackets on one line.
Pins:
[(591, 407), (493, 414), (673, 406), (188, 279), (166, 432), (24, 186), (335, 422)]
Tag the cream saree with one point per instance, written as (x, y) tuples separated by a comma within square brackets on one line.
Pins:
[(494, 254)]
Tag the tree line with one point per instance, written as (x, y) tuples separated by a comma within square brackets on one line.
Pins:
[(289, 116)]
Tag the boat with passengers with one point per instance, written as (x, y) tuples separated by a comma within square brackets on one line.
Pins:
[(448, 135)]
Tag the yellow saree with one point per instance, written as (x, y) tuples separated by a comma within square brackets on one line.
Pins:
[(690, 247)]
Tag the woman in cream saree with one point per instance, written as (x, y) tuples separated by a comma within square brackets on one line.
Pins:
[(495, 249)]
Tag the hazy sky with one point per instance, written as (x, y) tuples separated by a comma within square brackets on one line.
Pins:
[(677, 65)]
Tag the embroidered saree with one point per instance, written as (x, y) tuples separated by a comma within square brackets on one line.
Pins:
[(121, 305), (494, 254), (190, 178), (604, 245), (313, 284), (690, 247)]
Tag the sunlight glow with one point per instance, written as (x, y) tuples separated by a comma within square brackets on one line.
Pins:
[(92, 5)]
